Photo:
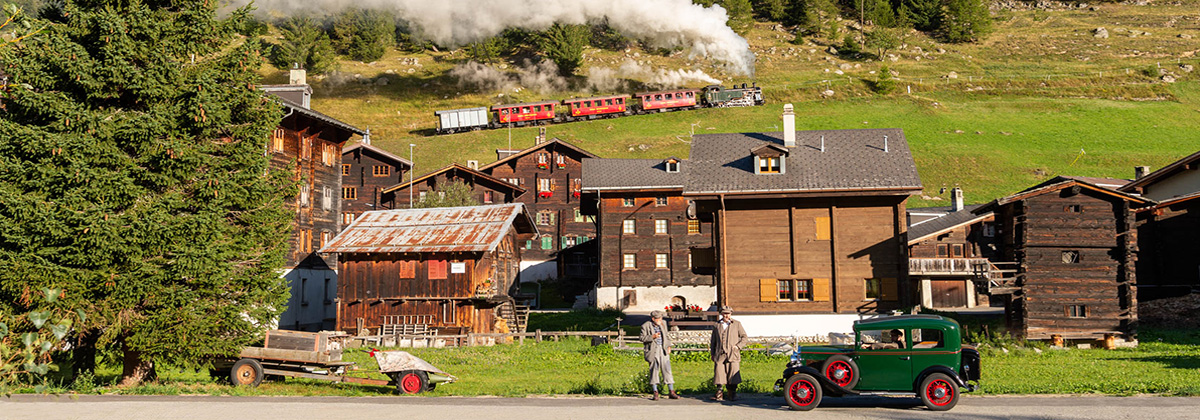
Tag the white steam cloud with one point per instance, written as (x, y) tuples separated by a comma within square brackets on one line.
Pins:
[(604, 79), (660, 23), (542, 77)]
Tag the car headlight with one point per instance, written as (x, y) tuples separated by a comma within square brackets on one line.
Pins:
[(795, 356)]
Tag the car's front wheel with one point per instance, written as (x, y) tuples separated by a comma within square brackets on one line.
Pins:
[(938, 392), (803, 392)]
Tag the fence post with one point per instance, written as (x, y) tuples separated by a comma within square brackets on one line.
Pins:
[(470, 339), (538, 335)]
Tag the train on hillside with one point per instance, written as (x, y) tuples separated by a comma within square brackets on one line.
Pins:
[(579, 109)]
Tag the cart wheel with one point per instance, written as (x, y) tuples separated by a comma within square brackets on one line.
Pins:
[(412, 381), (246, 372)]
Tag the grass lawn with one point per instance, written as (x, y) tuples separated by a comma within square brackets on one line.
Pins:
[(1167, 362)]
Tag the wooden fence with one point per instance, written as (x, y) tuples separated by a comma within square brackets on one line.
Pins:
[(472, 339)]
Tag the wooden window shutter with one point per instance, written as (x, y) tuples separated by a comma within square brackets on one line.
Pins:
[(408, 269), (820, 290), (889, 289), (767, 291), (822, 228), (437, 269)]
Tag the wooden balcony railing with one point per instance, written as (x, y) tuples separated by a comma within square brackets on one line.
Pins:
[(944, 266)]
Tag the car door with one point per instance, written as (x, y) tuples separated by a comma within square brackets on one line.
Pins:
[(882, 369), (930, 349)]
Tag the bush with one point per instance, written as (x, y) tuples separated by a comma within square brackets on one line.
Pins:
[(488, 50), (850, 45), (885, 84)]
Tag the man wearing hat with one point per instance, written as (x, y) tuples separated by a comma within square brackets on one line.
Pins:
[(728, 339), (658, 353)]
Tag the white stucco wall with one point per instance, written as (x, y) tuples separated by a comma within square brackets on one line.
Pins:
[(533, 271), (801, 325), (320, 290), (1181, 183), (655, 297)]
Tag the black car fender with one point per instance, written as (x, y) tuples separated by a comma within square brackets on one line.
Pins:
[(943, 370), (830, 388)]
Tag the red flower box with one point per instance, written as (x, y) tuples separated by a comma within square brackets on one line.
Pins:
[(545, 194), (543, 166), (575, 194)]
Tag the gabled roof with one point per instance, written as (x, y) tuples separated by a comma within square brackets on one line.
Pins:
[(859, 160), (950, 221), (1171, 201), (442, 229), (1110, 183), (632, 174), (766, 147), (535, 148), (300, 109), (457, 167), (376, 150), (1182, 164), (1059, 183)]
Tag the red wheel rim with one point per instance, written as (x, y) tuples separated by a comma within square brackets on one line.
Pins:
[(410, 383), (839, 368), (802, 392), (939, 392)]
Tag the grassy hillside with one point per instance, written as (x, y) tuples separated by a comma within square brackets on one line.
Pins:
[(1027, 100)]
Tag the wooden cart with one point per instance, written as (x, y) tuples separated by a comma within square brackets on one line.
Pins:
[(318, 356)]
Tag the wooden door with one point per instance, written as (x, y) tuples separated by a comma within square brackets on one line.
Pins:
[(948, 293)]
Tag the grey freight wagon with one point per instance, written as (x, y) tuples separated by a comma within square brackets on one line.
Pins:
[(455, 120)]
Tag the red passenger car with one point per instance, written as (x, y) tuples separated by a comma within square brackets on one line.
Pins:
[(669, 99), (520, 114), (597, 106)]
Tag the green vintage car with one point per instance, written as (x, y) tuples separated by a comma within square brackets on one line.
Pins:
[(897, 355)]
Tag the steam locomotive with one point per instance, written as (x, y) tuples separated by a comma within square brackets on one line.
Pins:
[(579, 109)]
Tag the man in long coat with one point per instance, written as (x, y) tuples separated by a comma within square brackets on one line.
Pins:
[(728, 339), (658, 353)]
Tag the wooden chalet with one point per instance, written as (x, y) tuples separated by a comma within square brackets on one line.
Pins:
[(655, 248), (488, 189), (367, 171), (551, 171), (945, 253), (448, 269), (1065, 260), (308, 145), (1167, 265)]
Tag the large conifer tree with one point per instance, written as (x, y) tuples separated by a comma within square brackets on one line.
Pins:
[(133, 177)]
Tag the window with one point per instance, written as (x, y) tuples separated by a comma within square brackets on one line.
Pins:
[(629, 262), (989, 230), (1073, 208), (327, 198), (660, 201), (956, 251), (608, 102), (277, 140), (547, 242), (768, 165), (561, 161), (325, 292), (627, 202), (303, 292), (350, 193), (568, 241), (873, 289), (329, 154), (628, 227), (544, 185), (660, 227), (794, 290), (345, 169), (785, 289), (660, 261), (305, 240), (524, 110), (381, 170), (421, 195), (325, 237), (487, 197), (542, 158), (545, 217), (693, 226), (943, 250), (347, 218), (304, 201), (579, 216), (306, 148), (1076, 311), (1070, 257), (436, 269), (672, 166)]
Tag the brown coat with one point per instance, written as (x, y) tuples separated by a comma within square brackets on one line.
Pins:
[(726, 345)]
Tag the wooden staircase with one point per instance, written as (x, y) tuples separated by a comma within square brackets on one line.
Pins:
[(997, 278), (516, 316)]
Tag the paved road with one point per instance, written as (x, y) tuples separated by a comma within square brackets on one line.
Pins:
[(90, 407)]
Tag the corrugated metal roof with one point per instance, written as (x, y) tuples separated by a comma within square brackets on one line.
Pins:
[(442, 229)]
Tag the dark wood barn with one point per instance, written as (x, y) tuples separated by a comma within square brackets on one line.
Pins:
[(488, 189), (944, 254), (1070, 247), (367, 171), (551, 171), (655, 248), (449, 269)]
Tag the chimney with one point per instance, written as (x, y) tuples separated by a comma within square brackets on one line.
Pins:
[(541, 137), (1140, 171), (367, 138), (789, 126), (956, 199), (297, 75), (473, 164)]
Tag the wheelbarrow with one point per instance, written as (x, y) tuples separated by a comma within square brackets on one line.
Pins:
[(411, 374)]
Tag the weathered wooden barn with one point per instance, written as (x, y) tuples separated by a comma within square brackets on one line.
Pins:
[(449, 269), (655, 248), (1071, 246), (1167, 232), (367, 170), (487, 189), (551, 170), (308, 145), (945, 252)]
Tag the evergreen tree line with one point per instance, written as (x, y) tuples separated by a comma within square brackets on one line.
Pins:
[(949, 20)]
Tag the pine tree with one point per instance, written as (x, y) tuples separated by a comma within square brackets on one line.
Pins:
[(454, 194), (133, 178), (563, 44), (364, 35), (304, 43), (964, 21)]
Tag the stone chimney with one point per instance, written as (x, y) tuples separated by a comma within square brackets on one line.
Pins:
[(1140, 171), (789, 126), (297, 75), (956, 199)]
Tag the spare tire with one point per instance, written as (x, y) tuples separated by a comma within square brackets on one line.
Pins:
[(841, 370)]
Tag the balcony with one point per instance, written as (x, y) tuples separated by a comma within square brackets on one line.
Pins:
[(944, 266)]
